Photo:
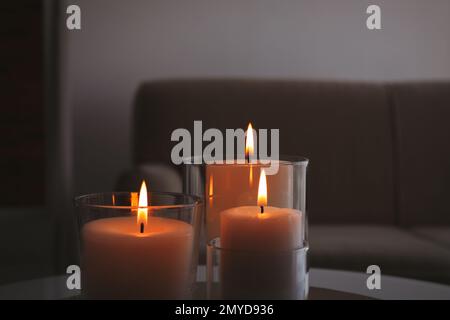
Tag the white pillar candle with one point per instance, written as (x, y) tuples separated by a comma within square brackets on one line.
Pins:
[(137, 256), (120, 262), (246, 228), (258, 249)]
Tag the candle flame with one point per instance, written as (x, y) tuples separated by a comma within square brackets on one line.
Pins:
[(211, 190), (211, 186), (142, 214), (262, 189), (134, 199), (249, 146)]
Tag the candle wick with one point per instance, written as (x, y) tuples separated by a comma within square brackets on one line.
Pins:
[(142, 227), (262, 209)]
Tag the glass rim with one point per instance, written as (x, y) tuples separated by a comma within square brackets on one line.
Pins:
[(213, 244), (287, 160), (196, 201)]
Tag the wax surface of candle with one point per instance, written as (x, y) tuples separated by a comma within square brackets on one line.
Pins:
[(246, 228), (120, 262)]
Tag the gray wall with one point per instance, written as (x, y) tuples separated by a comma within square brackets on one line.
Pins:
[(123, 43)]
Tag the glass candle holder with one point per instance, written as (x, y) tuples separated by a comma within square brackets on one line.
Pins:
[(224, 186), (243, 232), (125, 255), (258, 274)]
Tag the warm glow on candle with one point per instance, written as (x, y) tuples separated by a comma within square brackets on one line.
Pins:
[(249, 147), (262, 189), (142, 210)]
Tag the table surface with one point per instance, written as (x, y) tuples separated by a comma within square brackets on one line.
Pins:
[(324, 283)]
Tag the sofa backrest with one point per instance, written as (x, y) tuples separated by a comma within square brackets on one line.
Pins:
[(422, 131), (344, 129)]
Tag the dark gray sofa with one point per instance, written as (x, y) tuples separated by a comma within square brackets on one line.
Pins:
[(379, 174)]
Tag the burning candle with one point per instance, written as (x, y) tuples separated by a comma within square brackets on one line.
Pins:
[(257, 244), (248, 227), (137, 257), (232, 185)]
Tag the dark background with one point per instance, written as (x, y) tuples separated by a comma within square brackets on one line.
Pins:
[(22, 139)]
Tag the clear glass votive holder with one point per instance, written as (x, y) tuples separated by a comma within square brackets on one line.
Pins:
[(124, 256), (256, 237), (259, 274), (225, 186)]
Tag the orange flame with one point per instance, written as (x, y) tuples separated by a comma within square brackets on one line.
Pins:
[(249, 146), (211, 190), (134, 200), (262, 189), (211, 186), (142, 214)]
